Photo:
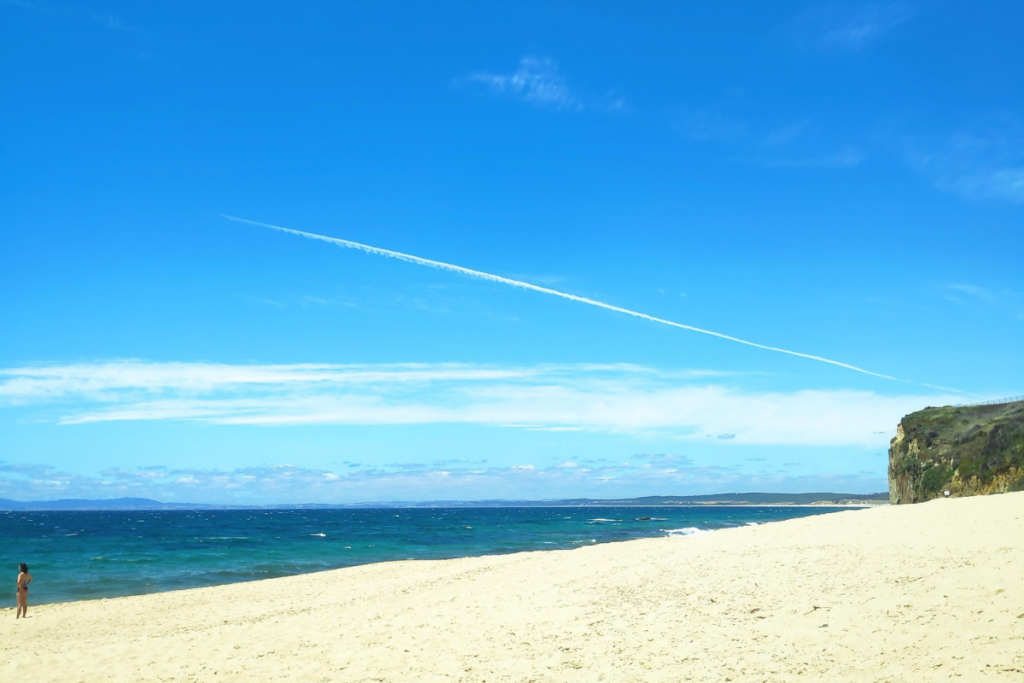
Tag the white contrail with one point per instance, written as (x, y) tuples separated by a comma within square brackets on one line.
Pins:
[(545, 290)]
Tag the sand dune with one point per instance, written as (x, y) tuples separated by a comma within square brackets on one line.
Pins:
[(911, 593)]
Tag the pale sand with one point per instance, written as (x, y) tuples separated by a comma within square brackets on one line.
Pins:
[(911, 593)]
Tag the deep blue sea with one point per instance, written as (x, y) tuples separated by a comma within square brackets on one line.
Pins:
[(100, 554)]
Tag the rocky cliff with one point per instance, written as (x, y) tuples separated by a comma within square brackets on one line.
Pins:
[(967, 451)]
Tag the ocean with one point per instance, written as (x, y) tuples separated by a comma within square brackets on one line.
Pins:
[(84, 555)]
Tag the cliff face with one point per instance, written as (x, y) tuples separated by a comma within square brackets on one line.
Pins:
[(966, 451)]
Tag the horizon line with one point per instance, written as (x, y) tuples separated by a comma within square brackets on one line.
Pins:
[(461, 502)]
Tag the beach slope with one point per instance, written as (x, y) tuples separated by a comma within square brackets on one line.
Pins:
[(909, 593)]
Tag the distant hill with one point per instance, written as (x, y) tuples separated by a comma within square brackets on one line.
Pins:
[(668, 501), (712, 499), (761, 499), (104, 504)]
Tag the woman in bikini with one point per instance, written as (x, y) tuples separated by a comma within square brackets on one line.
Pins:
[(24, 579)]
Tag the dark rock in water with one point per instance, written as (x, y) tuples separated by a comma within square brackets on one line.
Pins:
[(643, 519), (967, 451)]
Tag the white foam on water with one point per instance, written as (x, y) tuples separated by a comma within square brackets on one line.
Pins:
[(686, 532), (320, 535)]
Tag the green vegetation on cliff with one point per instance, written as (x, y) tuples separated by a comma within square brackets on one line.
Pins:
[(967, 451)]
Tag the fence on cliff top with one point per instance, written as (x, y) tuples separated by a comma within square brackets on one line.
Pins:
[(994, 402)]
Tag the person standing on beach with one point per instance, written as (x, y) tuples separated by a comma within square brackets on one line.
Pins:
[(24, 579)]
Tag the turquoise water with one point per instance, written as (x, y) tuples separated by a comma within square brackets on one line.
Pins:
[(99, 554)]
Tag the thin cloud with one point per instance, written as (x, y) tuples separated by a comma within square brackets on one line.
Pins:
[(787, 134), (101, 380), (1003, 183), (1004, 300), (348, 244), (795, 146), (982, 162), (841, 26), (537, 81), (847, 157), (973, 290), (111, 22), (610, 399), (704, 124)]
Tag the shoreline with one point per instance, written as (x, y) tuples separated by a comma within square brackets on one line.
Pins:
[(889, 592), (688, 529)]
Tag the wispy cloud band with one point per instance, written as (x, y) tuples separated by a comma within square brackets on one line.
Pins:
[(99, 380), (849, 27), (538, 82), (623, 399)]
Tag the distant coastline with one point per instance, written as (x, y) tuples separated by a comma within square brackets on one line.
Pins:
[(720, 499)]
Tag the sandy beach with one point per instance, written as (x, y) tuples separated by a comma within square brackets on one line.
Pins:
[(908, 593)]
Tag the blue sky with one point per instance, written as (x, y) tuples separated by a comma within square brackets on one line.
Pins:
[(839, 179)]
